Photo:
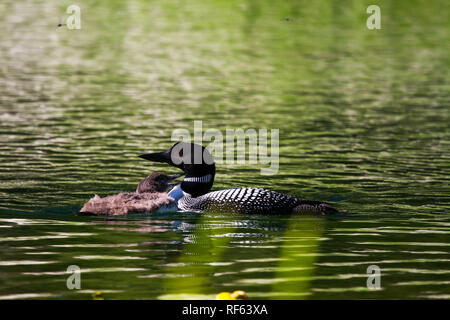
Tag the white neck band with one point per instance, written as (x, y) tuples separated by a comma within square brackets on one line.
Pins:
[(202, 179)]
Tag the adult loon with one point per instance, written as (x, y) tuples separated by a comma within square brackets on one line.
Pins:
[(193, 192), (151, 195)]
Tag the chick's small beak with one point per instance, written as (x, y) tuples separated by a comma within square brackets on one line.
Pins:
[(175, 177), (171, 185)]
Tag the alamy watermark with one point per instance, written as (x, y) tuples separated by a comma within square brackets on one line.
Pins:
[(374, 278), (74, 280), (73, 21), (231, 147), (374, 20)]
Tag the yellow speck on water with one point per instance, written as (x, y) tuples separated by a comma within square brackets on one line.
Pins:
[(97, 296), (225, 296), (236, 295)]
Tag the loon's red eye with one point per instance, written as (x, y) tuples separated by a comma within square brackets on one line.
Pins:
[(180, 153)]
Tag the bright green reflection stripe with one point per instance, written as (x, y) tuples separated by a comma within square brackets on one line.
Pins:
[(199, 259), (300, 258)]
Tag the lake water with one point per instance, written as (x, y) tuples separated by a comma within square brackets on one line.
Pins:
[(363, 119)]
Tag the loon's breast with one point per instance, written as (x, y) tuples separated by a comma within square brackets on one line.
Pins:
[(250, 201)]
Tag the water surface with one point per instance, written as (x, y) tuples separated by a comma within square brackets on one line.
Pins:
[(363, 118)]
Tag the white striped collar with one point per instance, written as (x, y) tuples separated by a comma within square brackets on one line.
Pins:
[(202, 179)]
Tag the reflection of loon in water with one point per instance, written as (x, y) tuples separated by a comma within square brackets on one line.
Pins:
[(193, 193), (150, 195)]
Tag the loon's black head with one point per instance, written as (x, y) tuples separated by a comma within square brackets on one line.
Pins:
[(196, 162)]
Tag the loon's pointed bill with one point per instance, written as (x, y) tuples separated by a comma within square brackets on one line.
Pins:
[(157, 156)]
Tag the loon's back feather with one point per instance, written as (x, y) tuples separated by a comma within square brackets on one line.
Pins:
[(252, 201)]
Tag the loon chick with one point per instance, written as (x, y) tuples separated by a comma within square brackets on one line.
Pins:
[(156, 182), (198, 165), (150, 196)]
